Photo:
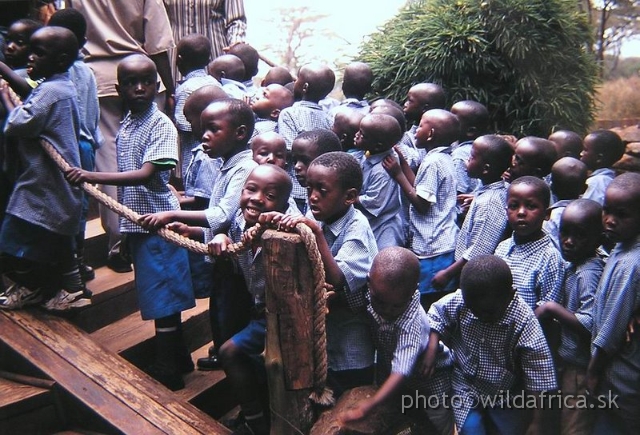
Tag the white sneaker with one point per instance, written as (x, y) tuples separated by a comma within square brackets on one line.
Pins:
[(17, 296), (65, 301)]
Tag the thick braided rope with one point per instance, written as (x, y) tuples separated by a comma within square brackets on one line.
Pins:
[(171, 236), (321, 395)]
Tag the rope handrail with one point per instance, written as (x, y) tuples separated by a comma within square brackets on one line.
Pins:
[(321, 394)]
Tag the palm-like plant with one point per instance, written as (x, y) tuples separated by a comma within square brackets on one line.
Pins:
[(526, 60)]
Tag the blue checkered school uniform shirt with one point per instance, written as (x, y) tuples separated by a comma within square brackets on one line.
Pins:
[(578, 293), (361, 106), (192, 81), (264, 126), (537, 268), (408, 148), (460, 154), (399, 344), (201, 173), (490, 358), (225, 196), (617, 298), (552, 225), (41, 195), (351, 241), (250, 262), (379, 200), (144, 137), (88, 105), (597, 184), (485, 225), (302, 116), (434, 233)]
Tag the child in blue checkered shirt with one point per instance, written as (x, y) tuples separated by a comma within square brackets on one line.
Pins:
[(347, 247), (580, 236), (43, 210), (432, 196), (420, 98), (147, 145), (193, 55), (498, 347), (379, 198), (602, 148), (613, 370), (485, 224), (536, 264), (314, 82), (401, 334), (227, 125)]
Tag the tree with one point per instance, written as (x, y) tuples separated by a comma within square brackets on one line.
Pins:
[(526, 60), (613, 22)]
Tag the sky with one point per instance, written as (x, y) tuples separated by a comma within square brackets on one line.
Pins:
[(350, 20)]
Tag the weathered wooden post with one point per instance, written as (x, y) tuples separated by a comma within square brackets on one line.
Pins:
[(289, 354)]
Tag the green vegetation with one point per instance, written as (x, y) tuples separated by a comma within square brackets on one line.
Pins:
[(526, 60)]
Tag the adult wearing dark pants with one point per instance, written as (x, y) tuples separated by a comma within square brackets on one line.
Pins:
[(116, 29)]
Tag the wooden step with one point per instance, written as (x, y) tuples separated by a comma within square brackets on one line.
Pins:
[(132, 338), (26, 408), (114, 297), (115, 390)]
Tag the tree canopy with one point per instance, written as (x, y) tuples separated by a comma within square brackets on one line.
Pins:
[(526, 60)]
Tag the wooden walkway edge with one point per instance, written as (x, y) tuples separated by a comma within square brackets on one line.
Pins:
[(120, 393)]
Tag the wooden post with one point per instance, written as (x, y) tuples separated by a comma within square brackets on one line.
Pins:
[(289, 346)]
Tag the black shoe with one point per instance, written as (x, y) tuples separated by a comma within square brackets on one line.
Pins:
[(209, 363), (171, 380), (118, 264), (86, 272)]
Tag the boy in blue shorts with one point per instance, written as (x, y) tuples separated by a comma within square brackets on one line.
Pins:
[(267, 189), (485, 224), (147, 145), (227, 125), (347, 248), (43, 211), (432, 197), (580, 236), (614, 366)]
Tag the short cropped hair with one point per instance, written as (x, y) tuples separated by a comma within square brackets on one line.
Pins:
[(325, 140), (347, 167), (540, 186), (240, 113), (486, 272)]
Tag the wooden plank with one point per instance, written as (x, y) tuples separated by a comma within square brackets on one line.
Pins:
[(105, 372), (73, 380), (16, 398)]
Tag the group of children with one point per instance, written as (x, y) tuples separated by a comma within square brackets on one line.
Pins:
[(448, 276)]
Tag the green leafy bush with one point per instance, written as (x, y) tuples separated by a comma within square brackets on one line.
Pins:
[(526, 60)]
